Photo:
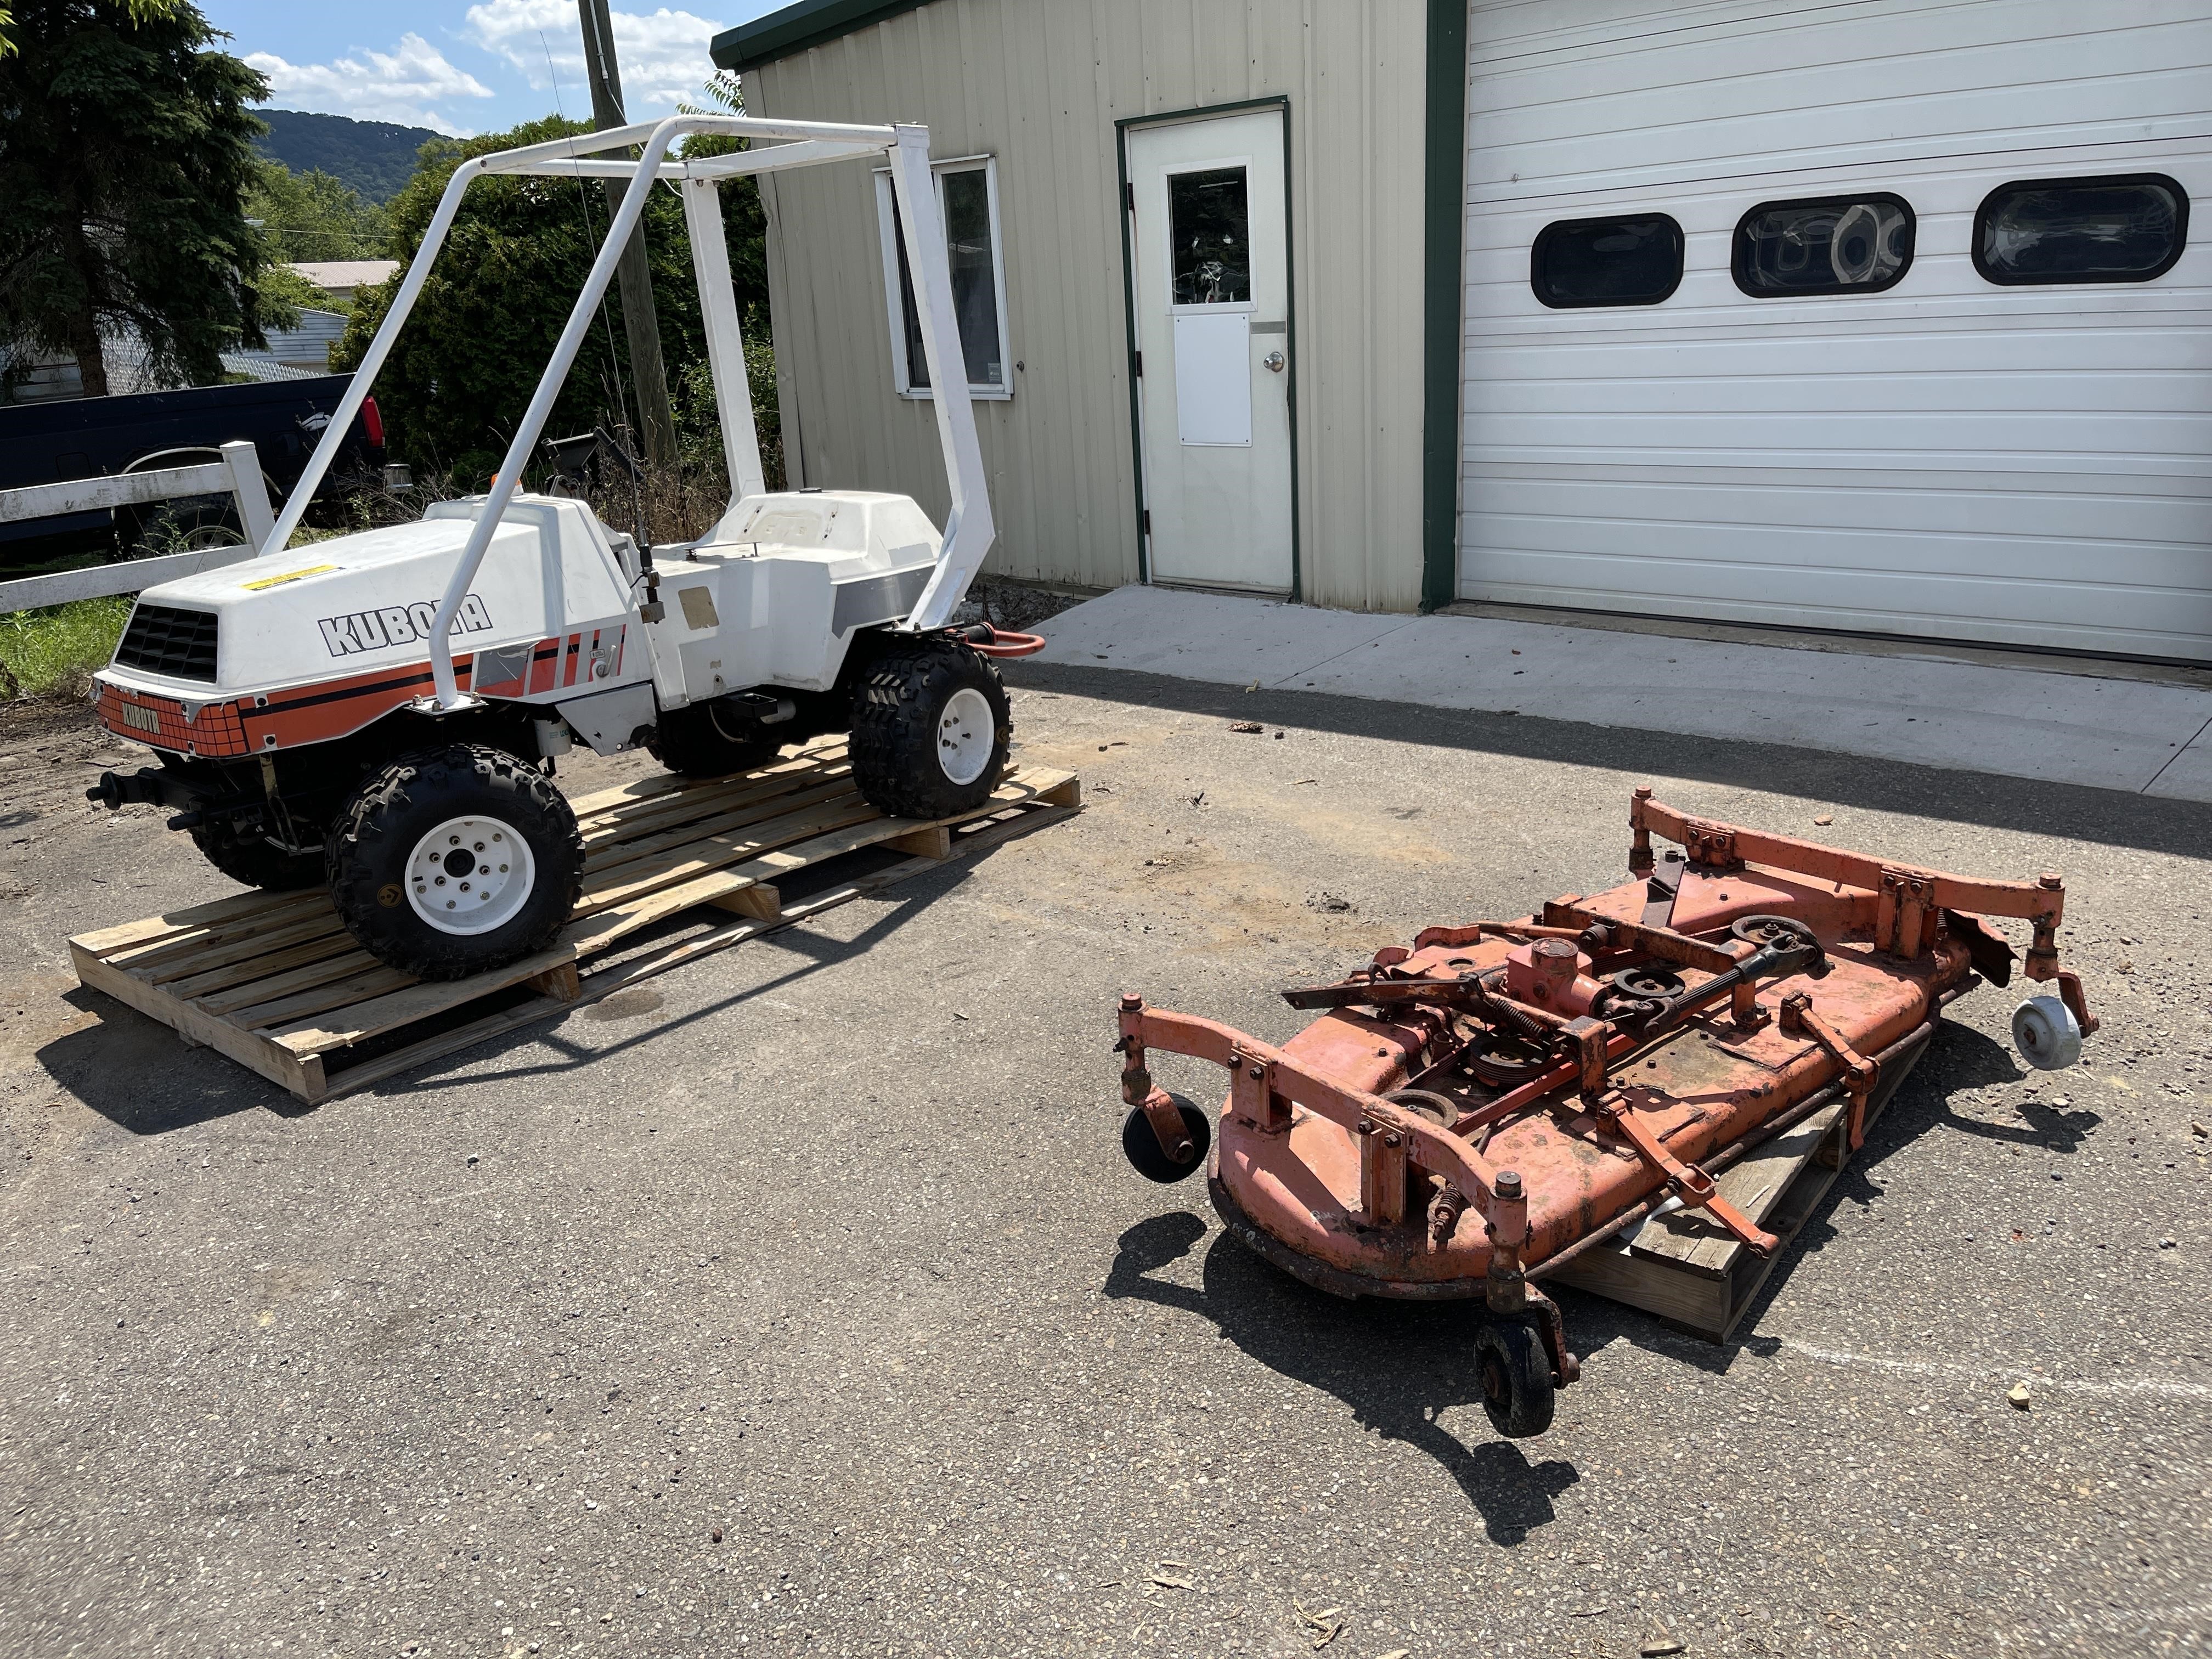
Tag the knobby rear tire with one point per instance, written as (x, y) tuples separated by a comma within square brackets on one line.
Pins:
[(253, 862), (895, 741), (702, 741)]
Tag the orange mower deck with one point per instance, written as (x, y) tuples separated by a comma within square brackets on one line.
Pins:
[(1474, 1112)]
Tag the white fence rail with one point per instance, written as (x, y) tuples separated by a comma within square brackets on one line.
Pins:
[(238, 475)]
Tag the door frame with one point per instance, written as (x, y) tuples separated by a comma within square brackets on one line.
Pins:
[(1280, 102)]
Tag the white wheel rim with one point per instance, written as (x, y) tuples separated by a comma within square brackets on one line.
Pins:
[(470, 875), (967, 732)]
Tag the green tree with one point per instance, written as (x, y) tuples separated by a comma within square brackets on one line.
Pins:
[(139, 11), (496, 302), (127, 156), (310, 216), (744, 220)]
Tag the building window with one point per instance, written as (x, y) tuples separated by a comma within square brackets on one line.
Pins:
[(1635, 260), (1839, 244), (1209, 224), (2081, 230), (968, 195)]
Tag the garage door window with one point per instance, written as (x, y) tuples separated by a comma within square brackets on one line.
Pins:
[(1634, 261), (2081, 230), (1837, 245)]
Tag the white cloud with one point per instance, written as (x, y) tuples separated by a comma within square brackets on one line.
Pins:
[(402, 85), (661, 59)]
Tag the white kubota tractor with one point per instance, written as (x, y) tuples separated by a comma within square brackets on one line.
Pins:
[(381, 711)]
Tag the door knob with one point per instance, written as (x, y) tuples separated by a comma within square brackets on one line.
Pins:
[(1274, 360)]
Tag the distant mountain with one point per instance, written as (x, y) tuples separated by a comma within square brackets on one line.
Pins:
[(375, 157)]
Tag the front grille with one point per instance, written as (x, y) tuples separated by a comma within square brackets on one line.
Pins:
[(162, 640)]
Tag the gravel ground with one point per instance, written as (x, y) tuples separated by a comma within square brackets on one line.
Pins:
[(800, 1302)]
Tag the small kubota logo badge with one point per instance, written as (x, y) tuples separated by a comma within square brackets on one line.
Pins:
[(396, 625), (389, 895), (143, 720)]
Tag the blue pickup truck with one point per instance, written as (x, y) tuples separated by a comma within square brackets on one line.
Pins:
[(94, 437)]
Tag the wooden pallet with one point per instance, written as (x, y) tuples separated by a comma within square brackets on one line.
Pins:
[(275, 982), (1690, 1271)]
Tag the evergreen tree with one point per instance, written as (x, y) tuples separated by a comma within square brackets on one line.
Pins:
[(124, 173)]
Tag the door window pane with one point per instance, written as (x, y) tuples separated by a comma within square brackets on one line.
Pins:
[(2081, 230), (1841, 245), (1209, 222), (1632, 261), (965, 195)]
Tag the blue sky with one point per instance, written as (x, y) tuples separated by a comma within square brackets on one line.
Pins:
[(463, 67)]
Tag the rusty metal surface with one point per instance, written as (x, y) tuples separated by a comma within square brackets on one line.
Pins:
[(1599, 1055)]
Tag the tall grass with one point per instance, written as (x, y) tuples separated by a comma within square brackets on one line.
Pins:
[(54, 653)]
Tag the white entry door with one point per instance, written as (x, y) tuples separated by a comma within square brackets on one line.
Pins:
[(1210, 260)]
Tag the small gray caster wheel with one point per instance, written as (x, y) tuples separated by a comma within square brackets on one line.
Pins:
[(2046, 1033), (1515, 1374), (1146, 1156)]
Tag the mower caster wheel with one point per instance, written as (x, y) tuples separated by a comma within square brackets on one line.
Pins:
[(1515, 1375), (2046, 1033), (1149, 1159)]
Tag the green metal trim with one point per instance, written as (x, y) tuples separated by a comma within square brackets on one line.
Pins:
[(796, 27), (1123, 211), (1276, 102), (1444, 235), (1273, 100)]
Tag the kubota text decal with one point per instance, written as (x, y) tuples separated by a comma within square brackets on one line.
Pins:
[(396, 625)]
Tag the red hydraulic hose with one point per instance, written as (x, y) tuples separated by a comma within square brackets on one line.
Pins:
[(990, 641)]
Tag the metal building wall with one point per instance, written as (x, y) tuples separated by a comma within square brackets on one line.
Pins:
[(1040, 84)]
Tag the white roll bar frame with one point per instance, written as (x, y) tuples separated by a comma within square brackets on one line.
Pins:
[(968, 526)]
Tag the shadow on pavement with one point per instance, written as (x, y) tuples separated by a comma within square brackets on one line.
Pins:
[(1399, 1366), (2151, 823), (142, 1077), (1962, 1058)]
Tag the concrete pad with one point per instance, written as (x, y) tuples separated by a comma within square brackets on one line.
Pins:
[(1932, 711), (2188, 776), (1206, 636)]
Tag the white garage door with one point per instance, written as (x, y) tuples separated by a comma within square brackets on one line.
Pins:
[(1878, 435)]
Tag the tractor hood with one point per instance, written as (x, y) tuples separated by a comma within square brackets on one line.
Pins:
[(356, 604)]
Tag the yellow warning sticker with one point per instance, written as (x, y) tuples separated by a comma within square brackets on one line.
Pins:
[(289, 576)]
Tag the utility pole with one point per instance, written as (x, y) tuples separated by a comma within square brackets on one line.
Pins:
[(647, 373)]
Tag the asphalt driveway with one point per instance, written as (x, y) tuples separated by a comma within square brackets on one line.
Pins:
[(799, 1301)]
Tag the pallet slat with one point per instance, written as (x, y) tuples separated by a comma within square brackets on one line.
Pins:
[(1686, 1269), (274, 981)]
